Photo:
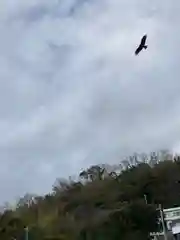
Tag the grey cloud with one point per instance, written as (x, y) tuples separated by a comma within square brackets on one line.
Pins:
[(73, 93)]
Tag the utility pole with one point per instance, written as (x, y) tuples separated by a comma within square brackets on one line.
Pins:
[(162, 218), (145, 198), (26, 233), (163, 223)]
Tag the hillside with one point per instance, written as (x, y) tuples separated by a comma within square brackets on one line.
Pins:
[(101, 205)]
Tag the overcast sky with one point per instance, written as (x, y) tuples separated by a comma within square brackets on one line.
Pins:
[(72, 92)]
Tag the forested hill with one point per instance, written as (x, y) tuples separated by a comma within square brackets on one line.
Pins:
[(102, 205)]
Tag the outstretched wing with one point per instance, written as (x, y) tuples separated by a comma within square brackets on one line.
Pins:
[(138, 50), (141, 45), (143, 40)]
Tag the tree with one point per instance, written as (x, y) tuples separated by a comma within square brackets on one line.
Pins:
[(107, 205), (93, 173)]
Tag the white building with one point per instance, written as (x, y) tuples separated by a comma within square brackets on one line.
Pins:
[(172, 223), (172, 219)]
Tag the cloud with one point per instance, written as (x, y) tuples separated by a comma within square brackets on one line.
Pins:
[(72, 93)]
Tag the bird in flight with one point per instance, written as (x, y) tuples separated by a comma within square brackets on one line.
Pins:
[(141, 45)]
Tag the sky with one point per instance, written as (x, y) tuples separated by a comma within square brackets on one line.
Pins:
[(72, 92)]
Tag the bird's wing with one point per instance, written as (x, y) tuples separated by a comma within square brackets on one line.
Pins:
[(143, 40), (138, 50)]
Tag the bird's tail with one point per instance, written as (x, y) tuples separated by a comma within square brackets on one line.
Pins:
[(145, 46)]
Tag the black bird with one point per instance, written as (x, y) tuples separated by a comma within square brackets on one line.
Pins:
[(141, 45)]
